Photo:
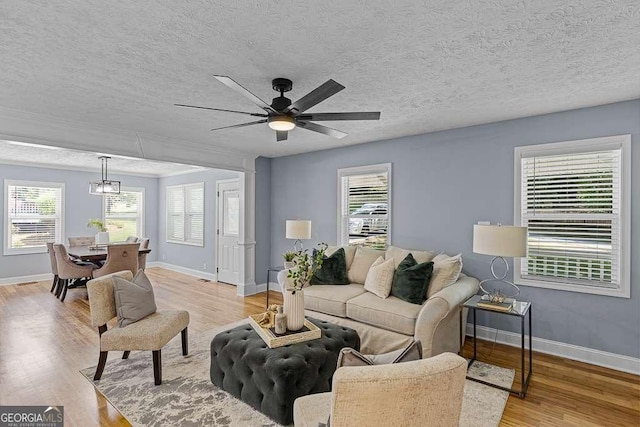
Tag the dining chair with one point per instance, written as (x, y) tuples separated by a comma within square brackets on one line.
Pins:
[(132, 239), (54, 266), (120, 257), (142, 257), (82, 241), (68, 270)]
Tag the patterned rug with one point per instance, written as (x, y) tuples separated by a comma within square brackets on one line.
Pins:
[(187, 397)]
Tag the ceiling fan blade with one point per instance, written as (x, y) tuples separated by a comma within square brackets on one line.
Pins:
[(232, 84), (242, 125), (322, 129), (370, 115), (221, 109), (281, 135), (316, 96)]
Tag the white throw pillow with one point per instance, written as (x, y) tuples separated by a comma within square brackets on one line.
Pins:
[(349, 253), (446, 271), (399, 254), (362, 261), (380, 277)]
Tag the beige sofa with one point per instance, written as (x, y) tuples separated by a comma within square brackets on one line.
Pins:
[(391, 323)]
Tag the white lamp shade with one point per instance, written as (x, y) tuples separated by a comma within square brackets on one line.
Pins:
[(298, 229), (500, 240)]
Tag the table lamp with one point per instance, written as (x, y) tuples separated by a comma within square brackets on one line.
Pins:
[(500, 241), (298, 229)]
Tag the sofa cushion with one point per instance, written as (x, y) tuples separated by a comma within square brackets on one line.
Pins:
[(362, 261), (411, 280), (380, 277), (399, 254), (333, 270), (331, 299), (349, 253), (392, 313), (446, 271)]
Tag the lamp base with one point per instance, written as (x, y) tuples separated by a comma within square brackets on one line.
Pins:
[(496, 295)]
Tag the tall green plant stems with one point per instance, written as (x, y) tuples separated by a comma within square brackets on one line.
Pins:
[(305, 265)]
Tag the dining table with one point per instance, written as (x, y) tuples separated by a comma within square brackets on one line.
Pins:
[(94, 254)]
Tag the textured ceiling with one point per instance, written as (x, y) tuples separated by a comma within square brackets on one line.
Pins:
[(35, 155), (427, 65)]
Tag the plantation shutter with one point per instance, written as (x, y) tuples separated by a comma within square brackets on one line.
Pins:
[(195, 213), (365, 202), (34, 216), (175, 214), (571, 204)]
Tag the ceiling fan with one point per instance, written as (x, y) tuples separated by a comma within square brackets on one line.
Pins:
[(282, 115)]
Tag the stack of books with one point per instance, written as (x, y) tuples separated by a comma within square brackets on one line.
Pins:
[(507, 305)]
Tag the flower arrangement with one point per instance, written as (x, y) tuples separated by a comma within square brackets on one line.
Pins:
[(304, 266)]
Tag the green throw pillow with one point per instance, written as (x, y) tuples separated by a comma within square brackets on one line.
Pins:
[(333, 270), (411, 280)]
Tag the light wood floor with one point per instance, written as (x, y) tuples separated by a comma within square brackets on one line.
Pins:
[(44, 343)]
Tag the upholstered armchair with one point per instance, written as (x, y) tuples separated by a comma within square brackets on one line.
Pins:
[(119, 257), (132, 239), (82, 241), (142, 257), (149, 334), (68, 270), (426, 392), (54, 267)]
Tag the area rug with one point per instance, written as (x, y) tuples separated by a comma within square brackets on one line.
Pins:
[(187, 397)]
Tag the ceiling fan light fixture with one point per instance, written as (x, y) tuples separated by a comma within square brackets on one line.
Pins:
[(282, 123)]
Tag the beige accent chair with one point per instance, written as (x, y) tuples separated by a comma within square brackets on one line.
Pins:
[(82, 241), (54, 267), (119, 257), (68, 270), (142, 257), (148, 334), (426, 392)]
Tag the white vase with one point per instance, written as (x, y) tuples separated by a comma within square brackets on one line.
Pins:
[(294, 309), (289, 264), (102, 238)]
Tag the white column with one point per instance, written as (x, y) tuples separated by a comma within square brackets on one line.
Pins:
[(247, 238)]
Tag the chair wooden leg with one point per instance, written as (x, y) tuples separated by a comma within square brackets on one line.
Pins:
[(125, 355), (59, 287), (101, 362), (55, 283), (185, 342), (64, 291), (157, 367)]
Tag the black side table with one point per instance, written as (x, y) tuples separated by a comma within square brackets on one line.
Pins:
[(520, 309), (275, 269)]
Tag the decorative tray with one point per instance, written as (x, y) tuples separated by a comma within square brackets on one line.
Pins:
[(308, 332)]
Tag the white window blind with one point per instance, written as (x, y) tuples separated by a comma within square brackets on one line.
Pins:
[(124, 214), (34, 216), (364, 206), (185, 214), (571, 202)]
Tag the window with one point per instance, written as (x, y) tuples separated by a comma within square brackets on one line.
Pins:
[(124, 214), (185, 214), (364, 205), (34, 216), (575, 199)]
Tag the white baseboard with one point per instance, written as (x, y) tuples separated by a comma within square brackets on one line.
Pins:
[(618, 362), (197, 273), (25, 279)]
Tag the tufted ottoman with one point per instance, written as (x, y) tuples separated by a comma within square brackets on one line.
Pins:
[(271, 379)]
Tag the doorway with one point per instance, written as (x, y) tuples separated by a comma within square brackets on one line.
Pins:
[(228, 231)]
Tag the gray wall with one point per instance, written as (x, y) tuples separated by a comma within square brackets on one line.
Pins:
[(80, 206), (193, 257), (263, 219), (444, 182)]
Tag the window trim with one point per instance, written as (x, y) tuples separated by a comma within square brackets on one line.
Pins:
[(361, 170), (43, 184), (142, 214), (184, 188), (622, 142)]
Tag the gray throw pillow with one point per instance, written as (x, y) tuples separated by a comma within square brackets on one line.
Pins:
[(134, 300), (351, 357)]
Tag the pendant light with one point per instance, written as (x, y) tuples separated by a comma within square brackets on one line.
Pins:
[(104, 186)]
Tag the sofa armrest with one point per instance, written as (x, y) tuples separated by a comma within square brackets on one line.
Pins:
[(439, 318)]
